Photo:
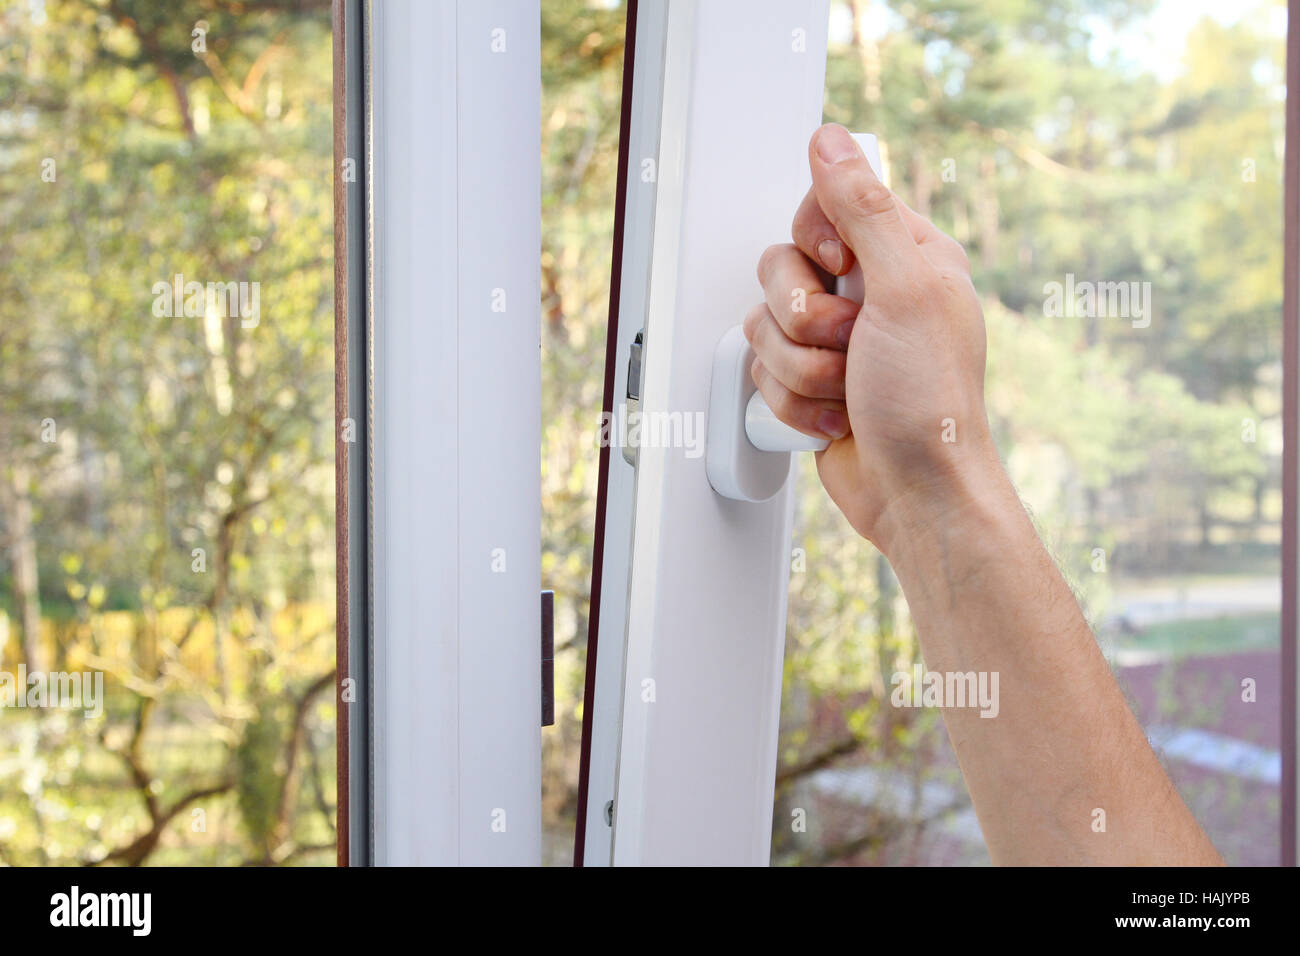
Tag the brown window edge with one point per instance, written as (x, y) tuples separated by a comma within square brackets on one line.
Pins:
[(352, 823), (607, 406), (352, 454), (1290, 421)]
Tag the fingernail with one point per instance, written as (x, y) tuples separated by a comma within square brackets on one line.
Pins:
[(831, 253), (844, 333), (833, 424), (835, 145)]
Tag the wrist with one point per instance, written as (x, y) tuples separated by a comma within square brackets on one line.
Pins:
[(970, 495)]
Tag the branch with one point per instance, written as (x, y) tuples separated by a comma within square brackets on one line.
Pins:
[(150, 44), (289, 781), (138, 850), (1032, 156), (823, 758)]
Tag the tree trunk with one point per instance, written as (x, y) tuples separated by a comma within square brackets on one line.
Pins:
[(987, 213), (868, 51), (17, 504)]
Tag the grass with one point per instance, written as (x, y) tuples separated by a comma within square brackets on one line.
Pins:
[(1205, 637)]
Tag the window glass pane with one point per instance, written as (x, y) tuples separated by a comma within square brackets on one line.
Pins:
[(1115, 173), (166, 416), (582, 63)]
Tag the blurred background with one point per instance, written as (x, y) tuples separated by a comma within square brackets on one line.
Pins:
[(1109, 140), (166, 483)]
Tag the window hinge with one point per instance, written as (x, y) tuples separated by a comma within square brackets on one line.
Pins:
[(633, 391), (548, 658)]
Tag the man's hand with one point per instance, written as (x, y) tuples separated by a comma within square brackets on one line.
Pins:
[(1059, 770), (907, 368)]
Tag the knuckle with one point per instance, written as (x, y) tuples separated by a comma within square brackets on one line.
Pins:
[(760, 339), (781, 401), (807, 377), (959, 252), (768, 261), (828, 310), (819, 374), (817, 323), (829, 368), (800, 325), (871, 198), (924, 287), (809, 227)]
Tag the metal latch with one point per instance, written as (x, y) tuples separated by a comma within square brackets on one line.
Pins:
[(633, 392), (548, 658)]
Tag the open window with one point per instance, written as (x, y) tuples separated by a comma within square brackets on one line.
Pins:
[(1146, 427)]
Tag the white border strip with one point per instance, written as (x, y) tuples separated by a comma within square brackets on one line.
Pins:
[(457, 179)]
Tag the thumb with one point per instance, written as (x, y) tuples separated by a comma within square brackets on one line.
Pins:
[(862, 209)]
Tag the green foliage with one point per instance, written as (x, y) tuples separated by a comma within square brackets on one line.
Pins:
[(582, 47), (257, 773), (128, 157), (1001, 120), (1003, 123)]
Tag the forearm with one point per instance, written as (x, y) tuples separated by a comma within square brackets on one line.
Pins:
[(986, 597), (1063, 748)]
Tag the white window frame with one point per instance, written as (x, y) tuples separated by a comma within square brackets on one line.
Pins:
[(742, 89), (454, 180), (603, 705)]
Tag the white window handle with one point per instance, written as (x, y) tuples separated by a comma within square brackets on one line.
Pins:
[(748, 453), (747, 456), (765, 431)]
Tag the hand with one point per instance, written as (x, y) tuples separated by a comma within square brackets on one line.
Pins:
[(899, 383)]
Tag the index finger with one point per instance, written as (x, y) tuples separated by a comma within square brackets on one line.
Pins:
[(812, 231), (817, 239)]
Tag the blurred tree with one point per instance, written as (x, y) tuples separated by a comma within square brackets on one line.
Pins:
[(174, 527), (1045, 155), (189, 485)]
